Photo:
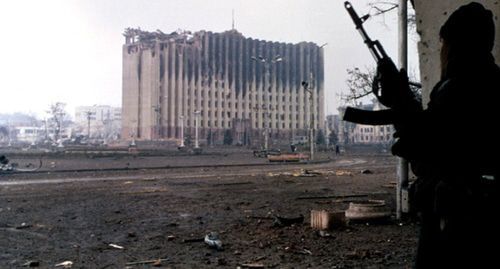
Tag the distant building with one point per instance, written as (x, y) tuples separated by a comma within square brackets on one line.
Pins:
[(168, 77), (101, 120)]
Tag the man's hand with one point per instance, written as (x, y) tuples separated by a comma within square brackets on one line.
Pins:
[(391, 86)]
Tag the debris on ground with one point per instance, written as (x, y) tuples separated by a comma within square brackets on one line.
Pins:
[(65, 264), (116, 246), (193, 240), (367, 210), (325, 234), (251, 265), (212, 240), (324, 220), (281, 221), (170, 237), (156, 262), (343, 173), (330, 196), (31, 264), (23, 226)]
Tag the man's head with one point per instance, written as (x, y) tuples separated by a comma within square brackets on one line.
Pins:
[(470, 30), (470, 27)]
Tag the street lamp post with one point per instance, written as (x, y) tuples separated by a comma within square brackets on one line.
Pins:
[(306, 87), (267, 80), (196, 122), (182, 131)]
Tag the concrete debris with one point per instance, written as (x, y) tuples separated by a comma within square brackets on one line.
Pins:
[(367, 210), (324, 220), (212, 240)]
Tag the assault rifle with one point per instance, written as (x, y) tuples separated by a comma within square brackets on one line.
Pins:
[(379, 117)]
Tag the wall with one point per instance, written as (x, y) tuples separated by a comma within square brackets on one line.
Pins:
[(430, 16)]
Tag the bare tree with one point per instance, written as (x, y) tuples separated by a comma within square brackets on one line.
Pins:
[(360, 84), (57, 114)]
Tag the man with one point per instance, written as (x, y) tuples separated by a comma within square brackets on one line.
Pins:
[(456, 193)]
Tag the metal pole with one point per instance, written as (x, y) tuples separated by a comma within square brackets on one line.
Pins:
[(267, 79), (402, 171), (311, 107), (182, 131), (88, 124), (196, 113)]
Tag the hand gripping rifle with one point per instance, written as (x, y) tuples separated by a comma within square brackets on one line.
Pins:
[(379, 117)]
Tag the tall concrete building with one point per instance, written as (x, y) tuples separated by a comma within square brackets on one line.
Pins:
[(236, 83)]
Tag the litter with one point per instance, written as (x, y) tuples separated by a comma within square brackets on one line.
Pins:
[(116, 246), (212, 240), (65, 264)]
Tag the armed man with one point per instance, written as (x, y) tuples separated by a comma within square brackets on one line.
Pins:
[(452, 145)]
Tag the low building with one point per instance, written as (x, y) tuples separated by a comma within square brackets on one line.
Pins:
[(98, 121)]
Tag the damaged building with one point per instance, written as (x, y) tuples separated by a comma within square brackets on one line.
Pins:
[(224, 80)]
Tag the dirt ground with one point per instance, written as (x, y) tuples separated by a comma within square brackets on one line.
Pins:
[(51, 217)]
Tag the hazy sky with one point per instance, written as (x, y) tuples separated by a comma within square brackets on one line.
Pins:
[(70, 50)]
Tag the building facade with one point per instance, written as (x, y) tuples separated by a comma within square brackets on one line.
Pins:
[(100, 121), (223, 80)]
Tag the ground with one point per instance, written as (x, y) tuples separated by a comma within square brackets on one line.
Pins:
[(50, 217)]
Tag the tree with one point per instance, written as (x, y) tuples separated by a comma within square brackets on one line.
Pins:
[(333, 138), (188, 140), (360, 84), (320, 138), (209, 137), (57, 114), (228, 137)]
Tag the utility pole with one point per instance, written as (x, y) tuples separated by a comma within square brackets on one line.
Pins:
[(402, 171), (309, 89), (196, 122), (267, 82), (182, 131), (89, 114)]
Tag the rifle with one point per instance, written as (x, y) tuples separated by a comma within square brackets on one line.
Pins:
[(380, 117)]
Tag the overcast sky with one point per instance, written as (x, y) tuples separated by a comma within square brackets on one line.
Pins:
[(70, 50)]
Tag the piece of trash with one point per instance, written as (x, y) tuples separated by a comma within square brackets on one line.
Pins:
[(193, 240), (366, 171), (31, 264), (156, 262), (23, 226), (281, 221), (252, 265), (170, 237), (323, 233), (116, 246), (65, 264), (304, 251), (343, 173), (212, 240)]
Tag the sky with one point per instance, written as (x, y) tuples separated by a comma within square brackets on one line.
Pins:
[(70, 50)]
